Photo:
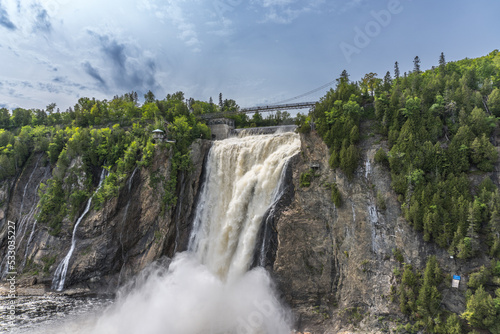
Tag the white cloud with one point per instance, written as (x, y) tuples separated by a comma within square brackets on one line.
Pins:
[(287, 11), (172, 12)]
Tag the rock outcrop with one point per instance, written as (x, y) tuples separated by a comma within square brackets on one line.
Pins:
[(113, 243), (334, 265)]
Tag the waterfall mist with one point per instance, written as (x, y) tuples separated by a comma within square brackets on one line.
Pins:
[(187, 298), (209, 289)]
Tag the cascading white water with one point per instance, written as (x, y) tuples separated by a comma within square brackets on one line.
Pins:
[(33, 228), (243, 176), (22, 221), (208, 289), (62, 269)]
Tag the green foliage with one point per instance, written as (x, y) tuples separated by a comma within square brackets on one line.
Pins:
[(305, 179), (115, 135), (481, 311), (380, 200), (398, 255), (47, 263), (52, 205), (303, 123), (479, 278), (336, 195), (381, 157)]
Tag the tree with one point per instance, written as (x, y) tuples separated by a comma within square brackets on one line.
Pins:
[(230, 106), (149, 97), (370, 82), (220, 101), (344, 77), (416, 65), (442, 62), (396, 70), (453, 325), (50, 108), (4, 118), (480, 310), (494, 102), (387, 81), (21, 117)]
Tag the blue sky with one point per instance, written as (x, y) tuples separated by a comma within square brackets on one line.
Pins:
[(254, 51)]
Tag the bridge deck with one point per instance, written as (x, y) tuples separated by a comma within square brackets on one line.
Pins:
[(268, 108)]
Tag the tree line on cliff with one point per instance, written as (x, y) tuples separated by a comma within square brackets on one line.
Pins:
[(440, 126)]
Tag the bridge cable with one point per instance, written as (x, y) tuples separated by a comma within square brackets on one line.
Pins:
[(308, 93)]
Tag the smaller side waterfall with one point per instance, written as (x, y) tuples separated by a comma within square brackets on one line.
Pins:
[(33, 228), (62, 269), (23, 221)]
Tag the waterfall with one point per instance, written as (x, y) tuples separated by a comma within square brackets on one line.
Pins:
[(242, 181), (62, 269), (22, 220), (26, 187), (33, 228), (209, 288)]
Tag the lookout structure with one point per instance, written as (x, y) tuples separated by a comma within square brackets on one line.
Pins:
[(221, 128)]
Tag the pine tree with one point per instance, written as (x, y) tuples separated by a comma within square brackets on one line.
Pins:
[(453, 325), (442, 62), (429, 297), (221, 103), (387, 81), (396, 70), (416, 65), (480, 310)]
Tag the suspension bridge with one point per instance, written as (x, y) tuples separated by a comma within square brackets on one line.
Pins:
[(282, 105), (267, 108)]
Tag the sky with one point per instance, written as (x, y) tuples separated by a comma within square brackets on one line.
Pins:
[(253, 51)]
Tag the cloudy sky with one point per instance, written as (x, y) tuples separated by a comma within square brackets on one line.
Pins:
[(254, 51)]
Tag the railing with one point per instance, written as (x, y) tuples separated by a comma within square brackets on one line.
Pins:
[(268, 108)]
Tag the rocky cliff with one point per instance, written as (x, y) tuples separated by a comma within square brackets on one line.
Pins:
[(334, 264), (112, 243)]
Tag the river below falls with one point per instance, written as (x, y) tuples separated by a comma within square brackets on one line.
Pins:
[(52, 314)]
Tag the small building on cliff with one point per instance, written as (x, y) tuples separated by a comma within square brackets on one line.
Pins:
[(221, 128)]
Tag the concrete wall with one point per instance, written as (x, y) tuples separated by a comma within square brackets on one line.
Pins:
[(221, 128)]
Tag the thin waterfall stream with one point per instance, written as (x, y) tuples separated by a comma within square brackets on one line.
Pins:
[(61, 271)]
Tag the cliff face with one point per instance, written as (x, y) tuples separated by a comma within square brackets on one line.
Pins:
[(113, 243), (335, 265)]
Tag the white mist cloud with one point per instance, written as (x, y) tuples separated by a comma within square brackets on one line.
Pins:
[(188, 299)]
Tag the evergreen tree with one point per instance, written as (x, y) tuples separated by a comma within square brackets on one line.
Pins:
[(387, 82), (453, 325), (442, 62), (416, 65), (149, 97), (396, 70), (481, 310)]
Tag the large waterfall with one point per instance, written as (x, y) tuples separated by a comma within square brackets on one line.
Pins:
[(209, 288), (243, 176)]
